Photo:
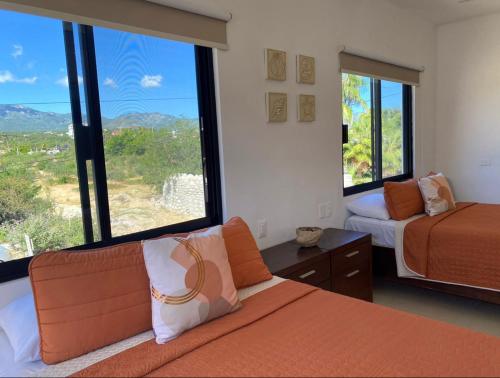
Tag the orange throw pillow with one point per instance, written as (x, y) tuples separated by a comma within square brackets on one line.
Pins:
[(86, 300), (403, 199), (245, 259)]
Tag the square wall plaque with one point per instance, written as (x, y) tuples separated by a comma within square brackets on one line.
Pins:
[(275, 65), (307, 108), (277, 109), (306, 69)]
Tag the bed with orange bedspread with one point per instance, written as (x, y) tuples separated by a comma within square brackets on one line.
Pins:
[(293, 329), (461, 246)]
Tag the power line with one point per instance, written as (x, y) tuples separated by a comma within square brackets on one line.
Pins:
[(391, 94), (106, 101)]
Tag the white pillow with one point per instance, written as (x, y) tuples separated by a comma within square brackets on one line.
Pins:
[(191, 281), (370, 206), (18, 321)]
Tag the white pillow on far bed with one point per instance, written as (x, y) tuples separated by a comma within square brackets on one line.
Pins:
[(370, 206), (18, 321)]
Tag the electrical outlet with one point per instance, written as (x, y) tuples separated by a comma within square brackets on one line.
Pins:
[(325, 210), (261, 228)]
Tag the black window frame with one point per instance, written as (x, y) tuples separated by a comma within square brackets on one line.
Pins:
[(376, 132), (89, 146)]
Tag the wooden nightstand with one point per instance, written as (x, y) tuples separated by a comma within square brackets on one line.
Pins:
[(342, 262)]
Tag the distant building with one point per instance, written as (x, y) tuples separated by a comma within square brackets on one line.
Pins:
[(57, 150), (54, 151)]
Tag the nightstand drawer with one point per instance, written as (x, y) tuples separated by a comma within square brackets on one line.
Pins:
[(314, 274), (326, 285), (356, 283), (357, 257)]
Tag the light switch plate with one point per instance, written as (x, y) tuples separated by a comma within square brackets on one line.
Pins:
[(261, 228), (325, 210)]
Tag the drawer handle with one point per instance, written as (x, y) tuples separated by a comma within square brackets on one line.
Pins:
[(305, 275), (352, 274), (352, 254)]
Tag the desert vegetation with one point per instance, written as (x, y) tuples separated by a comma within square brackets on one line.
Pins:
[(39, 192)]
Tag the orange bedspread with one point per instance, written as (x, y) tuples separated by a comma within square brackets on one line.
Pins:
[(460, 246), (294, 329)]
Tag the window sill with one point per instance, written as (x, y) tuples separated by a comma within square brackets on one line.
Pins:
[(360, 188)]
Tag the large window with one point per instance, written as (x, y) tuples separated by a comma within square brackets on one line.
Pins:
[(377, 132), (105, 136)]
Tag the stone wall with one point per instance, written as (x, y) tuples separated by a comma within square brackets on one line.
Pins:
[(184, 194)]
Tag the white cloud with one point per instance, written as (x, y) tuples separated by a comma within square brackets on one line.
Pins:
[(151, 81), (27, 80), (110, 83), (18, 51), (65, 82), (8, 77)]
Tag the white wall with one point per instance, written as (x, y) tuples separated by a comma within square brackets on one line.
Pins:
[(281, 172), (468, 107)]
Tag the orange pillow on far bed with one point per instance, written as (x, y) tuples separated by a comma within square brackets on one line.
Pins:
[(403, 199), (246, 262)]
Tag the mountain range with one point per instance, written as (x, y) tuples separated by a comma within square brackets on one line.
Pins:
[(19, 118)]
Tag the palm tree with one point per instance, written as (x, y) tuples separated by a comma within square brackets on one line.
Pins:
[(358, 151)]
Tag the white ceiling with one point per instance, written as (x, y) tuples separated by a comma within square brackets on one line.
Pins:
[(445, 11)]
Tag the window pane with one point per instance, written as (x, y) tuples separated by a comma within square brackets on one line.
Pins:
[(392, 129), (149, 108), (39, 192), (93, 210), (357, 113), (79, 70)]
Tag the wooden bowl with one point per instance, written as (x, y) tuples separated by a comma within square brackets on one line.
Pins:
[(308, 236)]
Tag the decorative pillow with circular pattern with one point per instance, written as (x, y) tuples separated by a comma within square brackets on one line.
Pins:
[(191, 281), (437, 194)]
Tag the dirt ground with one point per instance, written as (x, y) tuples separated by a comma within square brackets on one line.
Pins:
[(133, 206)]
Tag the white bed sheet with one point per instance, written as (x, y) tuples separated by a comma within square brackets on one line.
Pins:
[(8, 368), (383, 231)]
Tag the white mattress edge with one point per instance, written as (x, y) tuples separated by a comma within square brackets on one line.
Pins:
[(382, 231)]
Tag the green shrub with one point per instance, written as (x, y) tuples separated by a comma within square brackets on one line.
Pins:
[(153, 154), (3, 235), (47, 231), (18, 198)]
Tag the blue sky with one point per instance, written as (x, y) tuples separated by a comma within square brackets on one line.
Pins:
[(136, 73), (392, 95)]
